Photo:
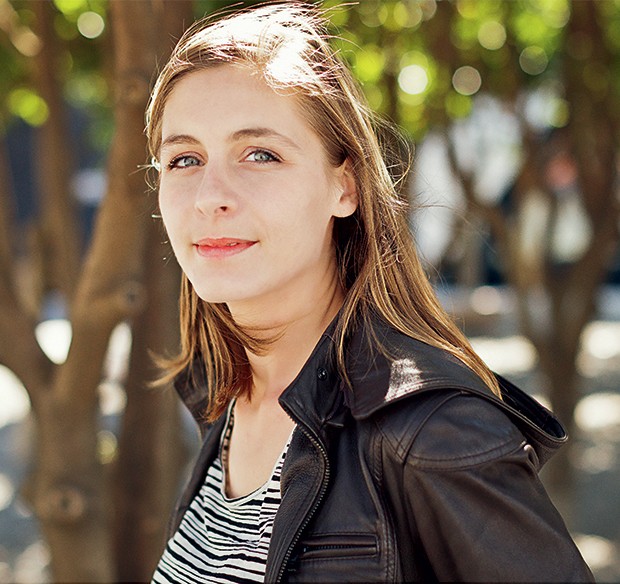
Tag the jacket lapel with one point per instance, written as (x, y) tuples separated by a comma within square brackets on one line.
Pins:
[(314, 402)]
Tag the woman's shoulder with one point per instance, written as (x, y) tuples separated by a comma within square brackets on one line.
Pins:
[(385, 366), (448, 429), (434, 407)]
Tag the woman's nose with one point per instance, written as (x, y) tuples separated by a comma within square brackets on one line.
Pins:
[(214, 193)]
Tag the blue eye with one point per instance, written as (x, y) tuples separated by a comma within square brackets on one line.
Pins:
[(262, 156), (184, 161)]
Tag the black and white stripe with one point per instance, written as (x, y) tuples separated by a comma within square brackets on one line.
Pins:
[(222, 540)]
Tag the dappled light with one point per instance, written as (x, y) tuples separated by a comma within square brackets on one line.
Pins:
[(28, 105), (7, 491), (487, 300), (600, 553), (599, 412), (507, 355), (413, 79), (492, 35), (112, 397), (466, 80), (601, 341), (14, 401), (54, 337), (533, 60), (32, 565), (90, 25)]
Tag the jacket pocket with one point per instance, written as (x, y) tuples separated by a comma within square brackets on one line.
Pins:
[(338, 545)]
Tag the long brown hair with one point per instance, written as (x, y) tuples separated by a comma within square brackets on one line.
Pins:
[(288, 44)]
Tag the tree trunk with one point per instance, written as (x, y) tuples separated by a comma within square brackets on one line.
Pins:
[(151, 450), (70, 491), (60, 239), (150, 453), (7, 277)]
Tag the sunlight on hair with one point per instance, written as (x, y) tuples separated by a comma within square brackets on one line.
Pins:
[(282, 66)]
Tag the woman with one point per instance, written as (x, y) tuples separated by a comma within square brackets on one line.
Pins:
[(350, 432)]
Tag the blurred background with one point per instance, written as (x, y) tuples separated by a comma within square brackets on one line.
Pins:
[(513, 110)]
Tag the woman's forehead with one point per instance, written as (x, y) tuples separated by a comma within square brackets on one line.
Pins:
[(233, 99)]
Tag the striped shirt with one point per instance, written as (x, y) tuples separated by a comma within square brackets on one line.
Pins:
[(223, 540)]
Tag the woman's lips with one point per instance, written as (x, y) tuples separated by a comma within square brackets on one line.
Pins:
[(221, 247)]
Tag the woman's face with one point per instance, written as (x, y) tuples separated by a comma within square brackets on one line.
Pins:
[(247, 195)]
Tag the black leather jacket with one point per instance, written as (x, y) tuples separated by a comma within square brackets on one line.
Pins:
[(417, 473)]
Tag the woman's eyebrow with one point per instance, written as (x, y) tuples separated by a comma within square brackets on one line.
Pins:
[(259, 132), (178, 139)]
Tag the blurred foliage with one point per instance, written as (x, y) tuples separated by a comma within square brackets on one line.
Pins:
[(411, 70), (496, 47), (82, 66)]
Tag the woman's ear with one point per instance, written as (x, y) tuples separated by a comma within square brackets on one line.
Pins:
[(347, 199)]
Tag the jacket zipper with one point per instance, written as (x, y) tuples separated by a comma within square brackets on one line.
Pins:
[(316, 505)]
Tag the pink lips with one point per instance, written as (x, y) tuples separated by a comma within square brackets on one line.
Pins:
[(221, 247)]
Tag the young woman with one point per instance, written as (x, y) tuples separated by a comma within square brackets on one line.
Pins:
[(350, 432)]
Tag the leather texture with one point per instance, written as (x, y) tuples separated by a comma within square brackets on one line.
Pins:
[(414, 473)]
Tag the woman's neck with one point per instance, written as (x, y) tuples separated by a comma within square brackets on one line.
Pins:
[(296, 333)]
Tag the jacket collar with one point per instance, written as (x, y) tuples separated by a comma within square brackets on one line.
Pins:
[(405, 367), (315, 397), (384, 367)]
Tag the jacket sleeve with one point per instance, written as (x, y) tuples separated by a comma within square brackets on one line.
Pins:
[(465, 487)]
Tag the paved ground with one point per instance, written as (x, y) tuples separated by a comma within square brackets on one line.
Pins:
[(595, 520)]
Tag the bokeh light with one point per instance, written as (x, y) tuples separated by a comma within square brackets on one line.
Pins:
[(54, 337), (492, 35), (466, 80), (28, 105), (90, 25), (26, 42), (599, 411), (533, 60), (413, 79)]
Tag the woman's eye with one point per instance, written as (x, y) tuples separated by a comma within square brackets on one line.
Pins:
[(262, 156), (184, 162)]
